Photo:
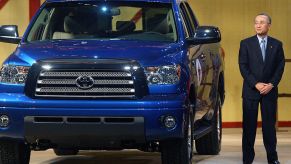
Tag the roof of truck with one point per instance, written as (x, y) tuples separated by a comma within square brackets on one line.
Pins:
[(163, 1)]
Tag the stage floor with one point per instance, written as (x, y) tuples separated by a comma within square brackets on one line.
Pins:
[(230, 154)]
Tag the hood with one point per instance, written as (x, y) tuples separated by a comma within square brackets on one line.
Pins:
[(145, 52)]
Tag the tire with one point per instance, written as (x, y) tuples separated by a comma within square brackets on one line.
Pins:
[(210, 144), (62, 152), (14, 153), (179, 151)]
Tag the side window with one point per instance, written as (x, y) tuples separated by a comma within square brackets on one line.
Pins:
[(191, 15), (187, 20), (186, 32)]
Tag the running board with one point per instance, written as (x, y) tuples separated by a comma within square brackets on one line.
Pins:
[(203, 130)]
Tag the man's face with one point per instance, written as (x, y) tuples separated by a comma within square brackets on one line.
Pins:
[(262, 25)]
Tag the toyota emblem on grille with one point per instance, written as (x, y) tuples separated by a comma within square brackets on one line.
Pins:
[(85, 82)]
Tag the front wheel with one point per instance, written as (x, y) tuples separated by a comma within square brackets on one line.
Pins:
[(210, 144), (179, 151), (14, 152)]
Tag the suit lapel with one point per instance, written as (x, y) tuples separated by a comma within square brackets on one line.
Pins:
[(269, 49), (257, 49)]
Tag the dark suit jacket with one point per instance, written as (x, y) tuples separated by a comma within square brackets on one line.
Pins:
[(253, 69)]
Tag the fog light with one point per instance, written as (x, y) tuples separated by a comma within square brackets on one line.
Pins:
[(169, 122), (4, 121)]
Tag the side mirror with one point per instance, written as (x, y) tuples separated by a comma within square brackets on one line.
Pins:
[(9, 34), (204, 35)]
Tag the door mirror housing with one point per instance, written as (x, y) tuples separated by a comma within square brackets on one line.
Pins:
[(204, 35), (9, 34)]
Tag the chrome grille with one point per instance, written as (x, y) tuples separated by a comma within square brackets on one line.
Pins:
[(105, 83)]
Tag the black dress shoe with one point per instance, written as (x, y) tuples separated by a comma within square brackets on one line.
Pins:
[(247, 162), (274, 162)]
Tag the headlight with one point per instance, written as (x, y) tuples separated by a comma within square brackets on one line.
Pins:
[(169, 74), (13, 74)]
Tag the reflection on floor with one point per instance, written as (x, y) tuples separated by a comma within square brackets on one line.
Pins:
[(230, 154)]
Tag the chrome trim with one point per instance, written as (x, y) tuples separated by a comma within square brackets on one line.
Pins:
[(72, 81), (94, 96), (77, 74), (91, 90)]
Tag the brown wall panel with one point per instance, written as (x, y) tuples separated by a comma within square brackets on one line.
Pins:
[(235, 19)]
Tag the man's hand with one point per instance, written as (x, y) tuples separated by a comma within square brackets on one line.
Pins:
[(266, 89), (260, 86)]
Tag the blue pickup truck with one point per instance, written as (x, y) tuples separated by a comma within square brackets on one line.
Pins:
[(112, 75)]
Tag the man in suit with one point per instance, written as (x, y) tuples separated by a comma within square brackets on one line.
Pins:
[(261, 63)]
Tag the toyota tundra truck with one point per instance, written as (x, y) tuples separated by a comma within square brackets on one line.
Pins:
[(112, 75)]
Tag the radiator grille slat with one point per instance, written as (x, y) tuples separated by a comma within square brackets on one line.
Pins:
[(75, 90), (73, 82), (77, 74)]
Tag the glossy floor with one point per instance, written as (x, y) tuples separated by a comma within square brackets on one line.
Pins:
[(230, 154)]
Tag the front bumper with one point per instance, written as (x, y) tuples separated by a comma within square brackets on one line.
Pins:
[(143, 119)]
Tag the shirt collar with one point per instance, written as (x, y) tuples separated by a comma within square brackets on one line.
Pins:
[(260, 38)]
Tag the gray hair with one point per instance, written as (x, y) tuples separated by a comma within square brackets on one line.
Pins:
[(267, 15)]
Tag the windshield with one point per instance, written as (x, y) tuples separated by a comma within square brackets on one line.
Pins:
[(105, 21)]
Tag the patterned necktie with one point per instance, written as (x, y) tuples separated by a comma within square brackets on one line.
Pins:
[(263, 48)]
